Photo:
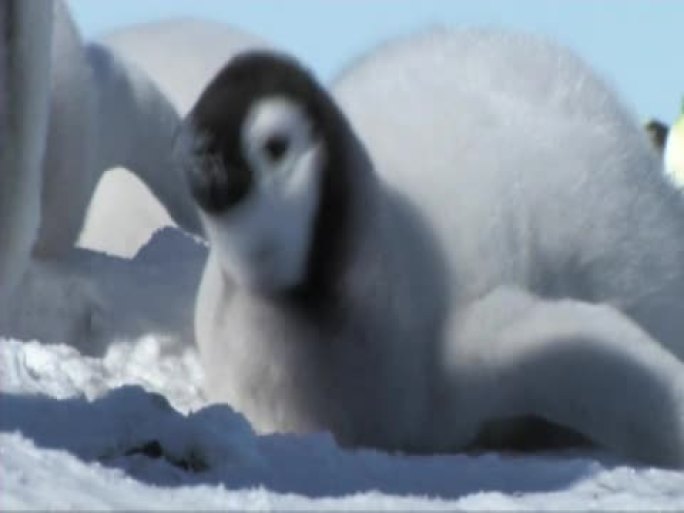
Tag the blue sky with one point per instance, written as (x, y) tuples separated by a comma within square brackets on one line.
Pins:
[(638, 45)]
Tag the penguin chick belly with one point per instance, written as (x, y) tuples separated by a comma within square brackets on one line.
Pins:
[(341, 335), (394, 314), (287, 376), (361, 370), (261, 364)]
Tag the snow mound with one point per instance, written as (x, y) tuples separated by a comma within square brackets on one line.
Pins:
[(90, 299), (131, 429), (126, 425)]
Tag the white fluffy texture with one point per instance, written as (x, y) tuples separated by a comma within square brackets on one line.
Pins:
[(480, 129), (263, 242), (533, 176), (69, 174), (674, 152), (119, 187), (521, 151), (56, 445), (24, 74), (557, 257), (102, 113), (511, 354), (180, 57), (136, 127)]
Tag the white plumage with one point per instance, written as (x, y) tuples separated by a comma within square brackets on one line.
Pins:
[(102, 112), (542, 192), (178, 57), (674, 150), (24, 77), (181, 56), (105, 112), (518, 255), (544, 197)]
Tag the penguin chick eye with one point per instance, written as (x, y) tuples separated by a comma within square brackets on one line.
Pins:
[(276, 147)]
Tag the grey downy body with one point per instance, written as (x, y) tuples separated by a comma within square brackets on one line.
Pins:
[(487, 237)]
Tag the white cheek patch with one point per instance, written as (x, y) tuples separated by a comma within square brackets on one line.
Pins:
[(275, 117), (264, 242)]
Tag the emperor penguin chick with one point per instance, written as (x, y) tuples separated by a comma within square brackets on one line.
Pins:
[(322, 289), (404, 290)]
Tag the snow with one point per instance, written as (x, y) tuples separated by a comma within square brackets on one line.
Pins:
[(126, 426)]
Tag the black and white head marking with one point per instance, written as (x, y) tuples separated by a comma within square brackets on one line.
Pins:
[(269, 171)]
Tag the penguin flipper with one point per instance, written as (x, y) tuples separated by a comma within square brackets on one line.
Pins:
[(587, 367)]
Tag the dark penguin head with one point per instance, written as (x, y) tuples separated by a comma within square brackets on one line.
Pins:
[(657, 133), (269, 168)]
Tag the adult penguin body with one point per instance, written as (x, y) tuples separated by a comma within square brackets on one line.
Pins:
[(486, 239), (70, 145), (25, 34), (179, 57), (104, 112), (182, 55)]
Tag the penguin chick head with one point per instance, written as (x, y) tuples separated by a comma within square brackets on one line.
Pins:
[(657, 133), (260, 169)]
